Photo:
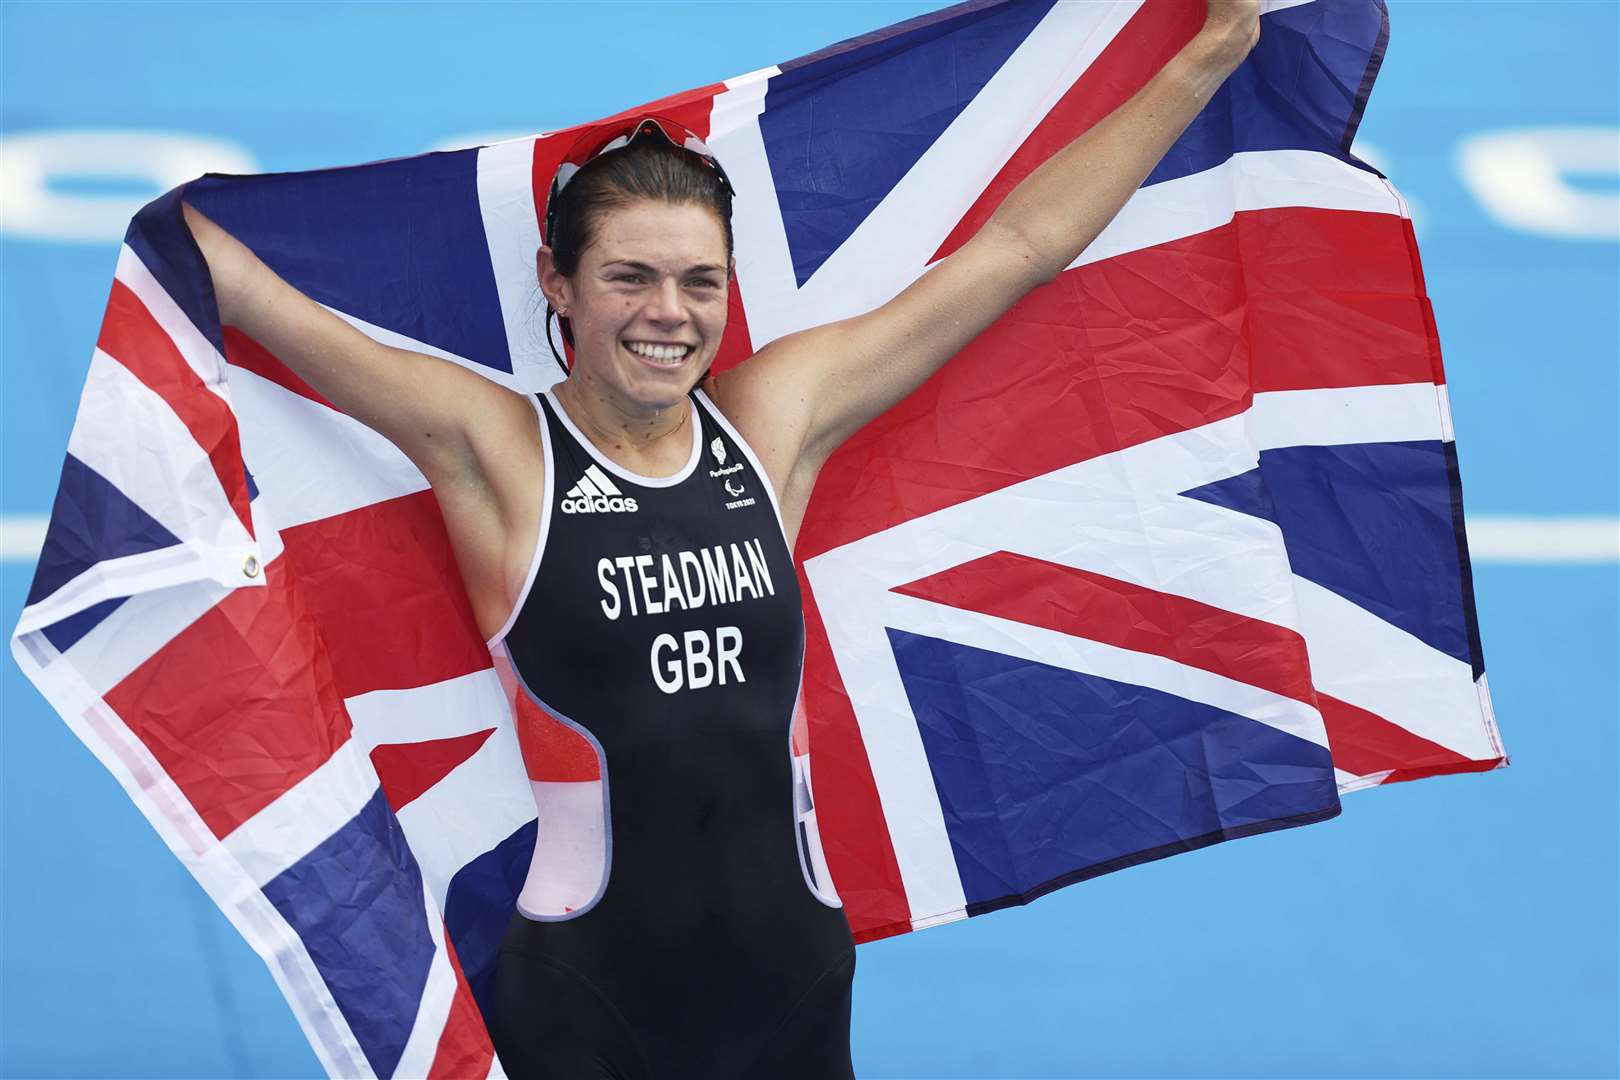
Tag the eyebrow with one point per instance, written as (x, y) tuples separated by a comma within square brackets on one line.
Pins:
[(704, 268)]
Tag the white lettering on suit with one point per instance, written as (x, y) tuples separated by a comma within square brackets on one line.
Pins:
[(688, 581)]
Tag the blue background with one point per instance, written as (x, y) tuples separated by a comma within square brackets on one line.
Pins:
[(1456, 927)]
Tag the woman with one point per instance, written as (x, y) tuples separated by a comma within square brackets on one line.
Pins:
[(625, 541)]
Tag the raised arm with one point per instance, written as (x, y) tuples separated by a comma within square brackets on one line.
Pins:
[(821, 385), (422, 404), (476, 441)]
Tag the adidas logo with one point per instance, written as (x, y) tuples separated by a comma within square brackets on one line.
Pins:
[(596, 494)]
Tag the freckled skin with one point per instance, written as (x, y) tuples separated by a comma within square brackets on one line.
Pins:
[(655, 272)]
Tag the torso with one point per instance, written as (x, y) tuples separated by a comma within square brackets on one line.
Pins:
[(655, 650), (772, 440)]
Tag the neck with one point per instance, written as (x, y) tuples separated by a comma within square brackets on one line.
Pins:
[(640, 433)]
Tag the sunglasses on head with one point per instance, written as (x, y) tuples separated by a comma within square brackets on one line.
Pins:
[(593, 145)]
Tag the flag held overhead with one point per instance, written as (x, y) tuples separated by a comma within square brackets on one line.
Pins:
[(1172, 554)]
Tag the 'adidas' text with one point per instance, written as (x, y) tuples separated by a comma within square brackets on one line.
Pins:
[(596, 494)]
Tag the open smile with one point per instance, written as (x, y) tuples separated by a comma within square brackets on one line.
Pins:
[(660, 354)]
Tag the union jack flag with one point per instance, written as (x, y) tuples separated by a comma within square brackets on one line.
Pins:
[(1173, 554)]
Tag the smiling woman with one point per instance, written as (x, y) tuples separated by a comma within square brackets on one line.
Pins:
[(682, 928), (106, 106), (645, 309), (650, 209)]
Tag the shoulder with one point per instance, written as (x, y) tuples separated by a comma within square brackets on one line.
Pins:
[(769, 407)]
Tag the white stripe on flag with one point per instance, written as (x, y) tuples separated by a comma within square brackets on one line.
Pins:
[(305, 815), (1121, 515), (1056, 649), (433, 1009), (1360, 658), (199, 353), (311, 462), (764, 260), (1400, 412), (184, 495), (145, 622), (113, 578), (185, 498), (1349, 782), (482, 802), (440, 710), (484, 799), (506, 201), (1256, 180), (892, 245)]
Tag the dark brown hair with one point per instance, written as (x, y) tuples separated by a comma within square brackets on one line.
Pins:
[(649, 168)]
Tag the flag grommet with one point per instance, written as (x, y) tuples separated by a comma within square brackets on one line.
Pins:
[(250, 566)]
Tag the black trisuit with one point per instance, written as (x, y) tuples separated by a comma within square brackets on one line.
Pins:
[(662, 621)]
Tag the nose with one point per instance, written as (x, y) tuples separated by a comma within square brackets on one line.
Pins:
[(664, 306)]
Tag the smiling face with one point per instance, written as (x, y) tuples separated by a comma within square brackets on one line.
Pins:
[(647, 303)]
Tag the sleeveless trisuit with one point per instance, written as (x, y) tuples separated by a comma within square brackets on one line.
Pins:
[(677, 920)]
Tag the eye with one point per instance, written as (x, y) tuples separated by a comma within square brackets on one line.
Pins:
[(704, 283), (629, 278)]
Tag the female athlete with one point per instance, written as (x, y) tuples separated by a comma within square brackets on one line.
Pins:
[(625, 540)]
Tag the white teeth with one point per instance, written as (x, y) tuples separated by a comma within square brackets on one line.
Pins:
[(669, 354)]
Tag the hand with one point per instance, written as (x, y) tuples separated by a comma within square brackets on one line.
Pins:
[(1232, 27)]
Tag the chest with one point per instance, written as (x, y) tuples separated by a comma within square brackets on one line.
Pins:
[(648, 590)]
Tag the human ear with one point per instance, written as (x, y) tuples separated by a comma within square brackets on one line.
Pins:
[(553, 283)]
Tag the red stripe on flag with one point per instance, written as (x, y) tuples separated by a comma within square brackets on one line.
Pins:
[(1108, 348), (243, 352), (690, 108), (1152, 36), (1131, 349), (1098, 608), (1437, 366), (1333, 301), (464, 1048), (865, 873), (240, 705), (735, 345), (1364, 743), (130, 335), (387, 590), (408, 769)]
